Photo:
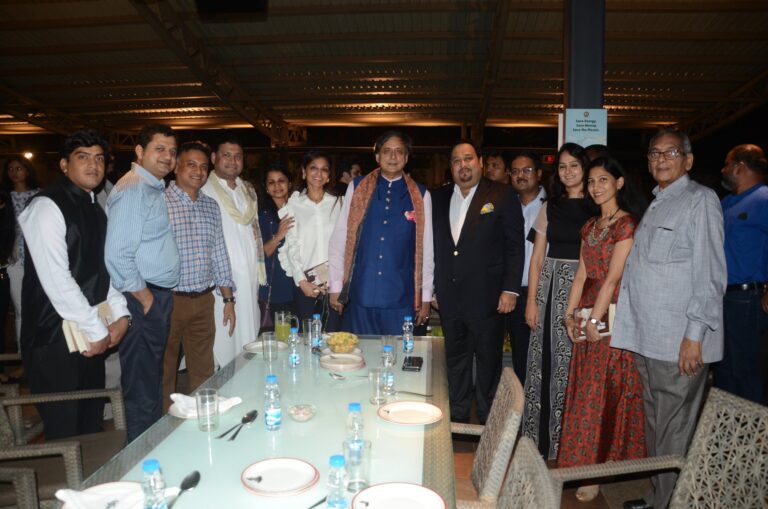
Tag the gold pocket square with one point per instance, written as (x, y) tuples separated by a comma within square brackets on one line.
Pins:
[(487, 209)]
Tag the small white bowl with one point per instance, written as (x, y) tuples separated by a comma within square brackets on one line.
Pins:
[(302, 412)]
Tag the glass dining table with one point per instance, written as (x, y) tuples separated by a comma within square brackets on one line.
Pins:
[(420, 454)]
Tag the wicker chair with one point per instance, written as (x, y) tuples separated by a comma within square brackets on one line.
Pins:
[(38, 470), (497, 438), (726, 465)]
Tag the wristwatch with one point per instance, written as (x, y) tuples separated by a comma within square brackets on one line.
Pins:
[(227, 300), (594, 321)]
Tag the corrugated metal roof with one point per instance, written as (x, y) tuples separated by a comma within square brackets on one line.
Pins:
[(320, 62)]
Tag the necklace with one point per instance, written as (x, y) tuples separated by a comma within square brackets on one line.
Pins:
[(593, 239)]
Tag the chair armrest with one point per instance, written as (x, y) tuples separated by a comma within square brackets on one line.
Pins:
[(467, 429), (115, 396), (475, 504), (614, 468), (69, 451), (24, 484)]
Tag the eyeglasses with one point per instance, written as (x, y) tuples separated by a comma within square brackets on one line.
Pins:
[(517, 171), (669, 155)]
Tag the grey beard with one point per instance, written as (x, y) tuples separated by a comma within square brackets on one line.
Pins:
[(726, 184)]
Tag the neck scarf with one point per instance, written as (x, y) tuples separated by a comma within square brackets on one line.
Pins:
[(248, 216), (361, 200)]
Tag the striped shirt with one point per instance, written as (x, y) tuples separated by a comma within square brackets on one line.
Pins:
[(199, 236), (140, 248), (674, 278)]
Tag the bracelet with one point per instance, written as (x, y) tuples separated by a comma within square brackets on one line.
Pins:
[(227, 300)]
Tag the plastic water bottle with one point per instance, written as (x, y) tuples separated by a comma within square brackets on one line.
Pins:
[(294, 357), (316, 333), (388, 362), (337, 483), (153, 485), (408, 334), (354, 422), (273, 414)]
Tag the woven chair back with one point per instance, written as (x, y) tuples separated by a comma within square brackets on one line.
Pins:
[(498, 438), (528, 484), (727, 462)]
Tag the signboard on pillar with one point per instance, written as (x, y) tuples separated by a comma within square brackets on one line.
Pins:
[(586, 126)]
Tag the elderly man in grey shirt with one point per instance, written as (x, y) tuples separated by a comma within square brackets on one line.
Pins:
[(670, 309)]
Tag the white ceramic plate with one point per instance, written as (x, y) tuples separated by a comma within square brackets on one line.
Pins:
[(327, 351), (255, 347), (342, 362), (397, 494), (280, 477), (410, 413)]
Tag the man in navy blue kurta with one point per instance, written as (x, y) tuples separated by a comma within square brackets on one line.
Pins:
[(381, 253)]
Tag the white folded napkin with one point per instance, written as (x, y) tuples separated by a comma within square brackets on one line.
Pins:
[(117, 495), (187, 407)]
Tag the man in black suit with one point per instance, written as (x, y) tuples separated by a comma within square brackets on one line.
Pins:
[(479, 252)]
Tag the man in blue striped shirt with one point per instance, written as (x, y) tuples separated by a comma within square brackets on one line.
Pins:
[(143, 262), (196, 223)]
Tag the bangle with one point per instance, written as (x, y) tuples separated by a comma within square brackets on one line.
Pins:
[(227, 300)]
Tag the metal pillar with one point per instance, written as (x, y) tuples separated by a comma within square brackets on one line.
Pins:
[(584, 40)]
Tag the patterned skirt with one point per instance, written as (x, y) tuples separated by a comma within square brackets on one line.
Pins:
[(604, 417), (549, 355)]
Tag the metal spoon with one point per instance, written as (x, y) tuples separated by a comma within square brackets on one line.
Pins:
[(188, 483), (249, 417), (339, 376)]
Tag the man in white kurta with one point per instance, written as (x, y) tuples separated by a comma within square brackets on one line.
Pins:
[(239, 217)]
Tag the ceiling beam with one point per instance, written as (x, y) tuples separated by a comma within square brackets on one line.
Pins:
[(90, 70), (749, 96), (52, 119), (492, 64), (67, 49), (61, 23), (189, 49)]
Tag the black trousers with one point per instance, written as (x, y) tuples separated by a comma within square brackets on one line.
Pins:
[(481, 340), (141, 361), (5, 301), (307, 306), (52, 368), (520, 336)]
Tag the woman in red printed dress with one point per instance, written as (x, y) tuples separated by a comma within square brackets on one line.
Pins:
[(603, 418)]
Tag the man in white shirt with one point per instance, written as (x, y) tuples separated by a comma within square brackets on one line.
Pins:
[(478, 231), (525, 177), (240, 221), (66, 279)]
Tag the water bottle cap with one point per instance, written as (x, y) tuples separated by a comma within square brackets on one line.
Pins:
[(337, 460), (150, 466), (387, 348), (316, 316), (408, 318), (354, 407), (271, 379), (294, 330)]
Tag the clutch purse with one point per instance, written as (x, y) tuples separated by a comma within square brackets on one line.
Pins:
[(317, 275), (604, 328)]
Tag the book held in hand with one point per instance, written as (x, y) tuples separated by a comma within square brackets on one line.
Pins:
[(604, 328), (77, 340), (318, 275)]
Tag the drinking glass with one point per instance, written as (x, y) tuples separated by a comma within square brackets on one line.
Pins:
[(376, 383), (269, 346), (357, 462), (207, 401)]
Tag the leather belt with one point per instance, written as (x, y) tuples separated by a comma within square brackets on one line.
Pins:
[(158, 288), (742, 287), (194, 295)]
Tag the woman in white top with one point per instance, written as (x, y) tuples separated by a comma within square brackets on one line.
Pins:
[(304, 255)]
